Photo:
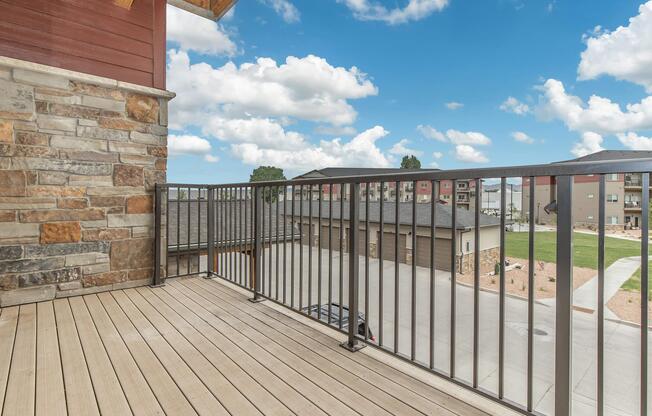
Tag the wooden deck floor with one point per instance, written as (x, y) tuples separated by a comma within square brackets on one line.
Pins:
[(192, 347)]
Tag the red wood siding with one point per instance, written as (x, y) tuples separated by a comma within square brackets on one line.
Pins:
[(90, 36)]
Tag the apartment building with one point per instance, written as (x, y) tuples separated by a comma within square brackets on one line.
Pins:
[(623, 192), (465, 188)]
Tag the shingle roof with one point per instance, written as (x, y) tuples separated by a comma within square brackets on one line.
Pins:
[(465, 218), (336, 172), (605, 155)]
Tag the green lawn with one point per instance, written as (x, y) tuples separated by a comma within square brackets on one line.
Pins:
[(634, 282), (585, 248)]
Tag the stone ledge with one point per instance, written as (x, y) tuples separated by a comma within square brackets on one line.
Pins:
[(80, 76)]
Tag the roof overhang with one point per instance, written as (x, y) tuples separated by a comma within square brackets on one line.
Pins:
[(210, 9)]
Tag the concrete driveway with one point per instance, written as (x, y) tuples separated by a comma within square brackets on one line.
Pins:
[(621, 348)]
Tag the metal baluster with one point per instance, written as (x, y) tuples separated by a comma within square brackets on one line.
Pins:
[(292, 254), (310, 247), (366, 262), (188, 233), (501, 283), (341, 287), (271, 247), (178, 230), (601, 253), (210, 238), (433, 237), (453, 276), (301, 249), (564, 297), (381, 254), (330, 252), (278, 198), (157, 235), (413, 302), (530, 301), (352, 343), (319, 255), (263, 279), (257, 243), (645, 204), (285, 241), (397, 231), (476, 281)]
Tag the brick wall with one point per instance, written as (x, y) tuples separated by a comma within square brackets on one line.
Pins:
[(79, 157)]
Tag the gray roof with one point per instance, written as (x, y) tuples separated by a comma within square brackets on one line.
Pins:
[(606, 155), (465, 218), (336, 172)]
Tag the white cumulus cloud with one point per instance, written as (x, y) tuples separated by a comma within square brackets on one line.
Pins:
[(513, 105), (430, 132), (635, 142), (470, 137), (625, 53), (454, 105), (307, 88), (401, 148), (599, 114), (361, 151), (437, 155), (591, 143), (519, 136), (192, 32), (288, 11), (468, 154), (412, 11), (190, 145)]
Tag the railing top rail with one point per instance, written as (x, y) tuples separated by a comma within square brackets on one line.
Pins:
[(557, 169)]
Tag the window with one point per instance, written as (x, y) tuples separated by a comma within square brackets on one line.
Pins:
[(612, 177), (590, 217), (468, 247), (590, 196), (612, 198), (612, 220)]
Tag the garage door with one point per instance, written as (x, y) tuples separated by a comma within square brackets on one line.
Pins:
[(442, 253), (388, 247), (335, 242)]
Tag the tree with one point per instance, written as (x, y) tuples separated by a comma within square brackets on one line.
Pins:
[(410, 162), (268, 173)]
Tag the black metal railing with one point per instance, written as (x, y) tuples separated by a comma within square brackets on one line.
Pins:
[(321, 248)]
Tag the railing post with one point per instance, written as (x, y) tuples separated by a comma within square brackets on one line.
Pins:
[(352, 343), (257, 243), (157, 282), (564, 297), (210, 240)]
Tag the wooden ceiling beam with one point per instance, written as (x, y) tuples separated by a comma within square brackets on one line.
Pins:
[(220, 7)]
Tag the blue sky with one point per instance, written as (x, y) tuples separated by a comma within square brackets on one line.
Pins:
[(316, 111)]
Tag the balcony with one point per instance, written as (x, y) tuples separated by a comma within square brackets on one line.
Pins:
[(633, 206), (633, 184), (320, 259), (192, 347)]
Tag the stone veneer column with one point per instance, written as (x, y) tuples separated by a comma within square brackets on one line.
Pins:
[(79, 157)]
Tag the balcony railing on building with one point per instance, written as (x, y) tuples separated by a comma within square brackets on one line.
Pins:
[(387, 273)]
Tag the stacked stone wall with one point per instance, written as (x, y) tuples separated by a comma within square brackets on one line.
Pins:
[(78, 162)]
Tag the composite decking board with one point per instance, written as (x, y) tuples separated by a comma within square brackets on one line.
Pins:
[(322, 347), (325, 400), (8, 323), (80, 395), (398, 379), (354, 381), (50, 391), (108, 390), (246, 385), (232, 400), (139, 395), (203, 401), (195, 346), (19, 399), (170, 397), (271, 382)]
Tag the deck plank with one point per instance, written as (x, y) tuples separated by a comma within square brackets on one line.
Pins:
[(8, 324), (272, 383), (167, 392), (140, 397), (408, 389), (20, 395), (217, 383), (193, 388), (247, 386), (80, 395), (110, 396), (246, 323), (320, 394), (391, 380), (50, 392)]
